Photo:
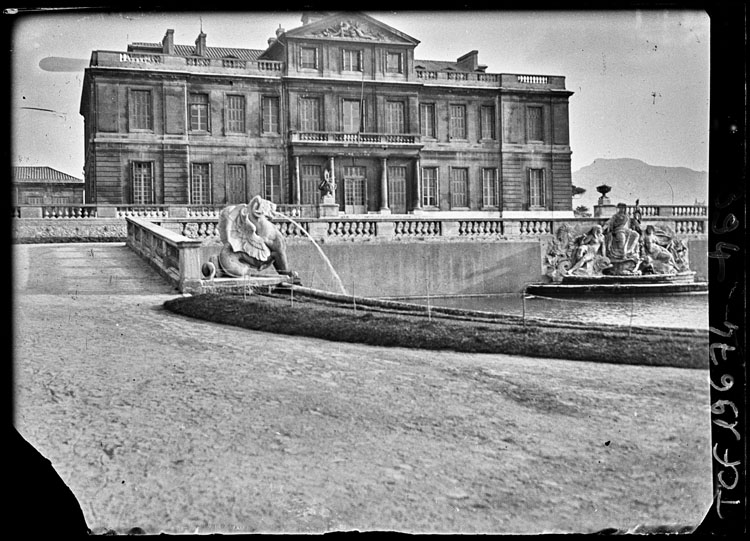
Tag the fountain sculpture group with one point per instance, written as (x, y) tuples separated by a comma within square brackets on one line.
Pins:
[(251, 242), (620, 248)]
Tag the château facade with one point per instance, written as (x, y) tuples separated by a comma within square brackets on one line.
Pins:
[(342, 96)]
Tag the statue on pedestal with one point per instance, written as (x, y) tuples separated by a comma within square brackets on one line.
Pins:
[(327, 188)]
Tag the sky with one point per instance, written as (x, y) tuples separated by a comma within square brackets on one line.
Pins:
[(640, 77)]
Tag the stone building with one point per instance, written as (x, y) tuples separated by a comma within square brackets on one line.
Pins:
[(341, 96), (41, 185)]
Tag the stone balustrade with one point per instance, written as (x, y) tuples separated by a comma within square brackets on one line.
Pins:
[(162, 62), (355, 138), (40, 224), (505, 80), (655, 210)]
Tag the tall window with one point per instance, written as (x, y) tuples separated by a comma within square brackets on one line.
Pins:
[(309, 192), (354, 189), (351, 116), (458, 122), (309, 114), (272, 184), (394, 120), (537, 194), (308, 57), (397, 188), (429, 186), (393, 62), (489, 188), (351, 60), (271, 114), (459, 187), (487, 122), (200, 186), (236, 114), (198, 112), (427, 119), (534, 124), (140, 110), (143, 183)]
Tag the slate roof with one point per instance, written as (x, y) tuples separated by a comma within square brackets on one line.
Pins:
[(26, 173), (189, 50)]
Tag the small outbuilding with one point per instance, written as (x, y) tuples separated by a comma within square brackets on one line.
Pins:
[(42, 185)]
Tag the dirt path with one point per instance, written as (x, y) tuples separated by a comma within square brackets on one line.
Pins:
[(177, 425)]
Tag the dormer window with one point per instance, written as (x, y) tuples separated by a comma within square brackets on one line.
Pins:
[(394, 62)]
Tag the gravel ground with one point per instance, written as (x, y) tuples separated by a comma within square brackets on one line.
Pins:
[(175, 425)]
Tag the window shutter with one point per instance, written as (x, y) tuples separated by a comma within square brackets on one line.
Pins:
[(129, 106), (210, 198), (208, 112), (153, 183), (132, 182)]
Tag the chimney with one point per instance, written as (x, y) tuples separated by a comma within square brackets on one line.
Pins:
[(167, 43), (279, 31), (200, 45), (469, 61)]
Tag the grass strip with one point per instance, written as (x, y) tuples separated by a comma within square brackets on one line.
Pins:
[(306, 316)]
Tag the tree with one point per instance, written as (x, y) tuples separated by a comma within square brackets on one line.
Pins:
[(577, 190), (582, 211)]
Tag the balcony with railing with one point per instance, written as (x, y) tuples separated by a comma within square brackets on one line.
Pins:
[(497, 80), (162, 62), (364, 139)]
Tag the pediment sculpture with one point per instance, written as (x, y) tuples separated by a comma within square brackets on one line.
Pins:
[(251, 242), (350, 29)]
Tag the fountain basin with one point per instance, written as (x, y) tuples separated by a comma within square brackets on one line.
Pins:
[(239, 285), (648, 284)]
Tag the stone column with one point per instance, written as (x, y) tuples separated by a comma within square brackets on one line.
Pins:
[(333, 176), (418, 179), (384, 188), (297, 183)]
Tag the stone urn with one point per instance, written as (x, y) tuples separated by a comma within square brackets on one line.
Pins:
[(604, 190)]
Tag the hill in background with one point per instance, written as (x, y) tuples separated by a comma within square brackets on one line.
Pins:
[(632, 179)]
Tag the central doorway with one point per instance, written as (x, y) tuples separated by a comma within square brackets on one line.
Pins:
[(397, 189), (355, 188), (236, 181)]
